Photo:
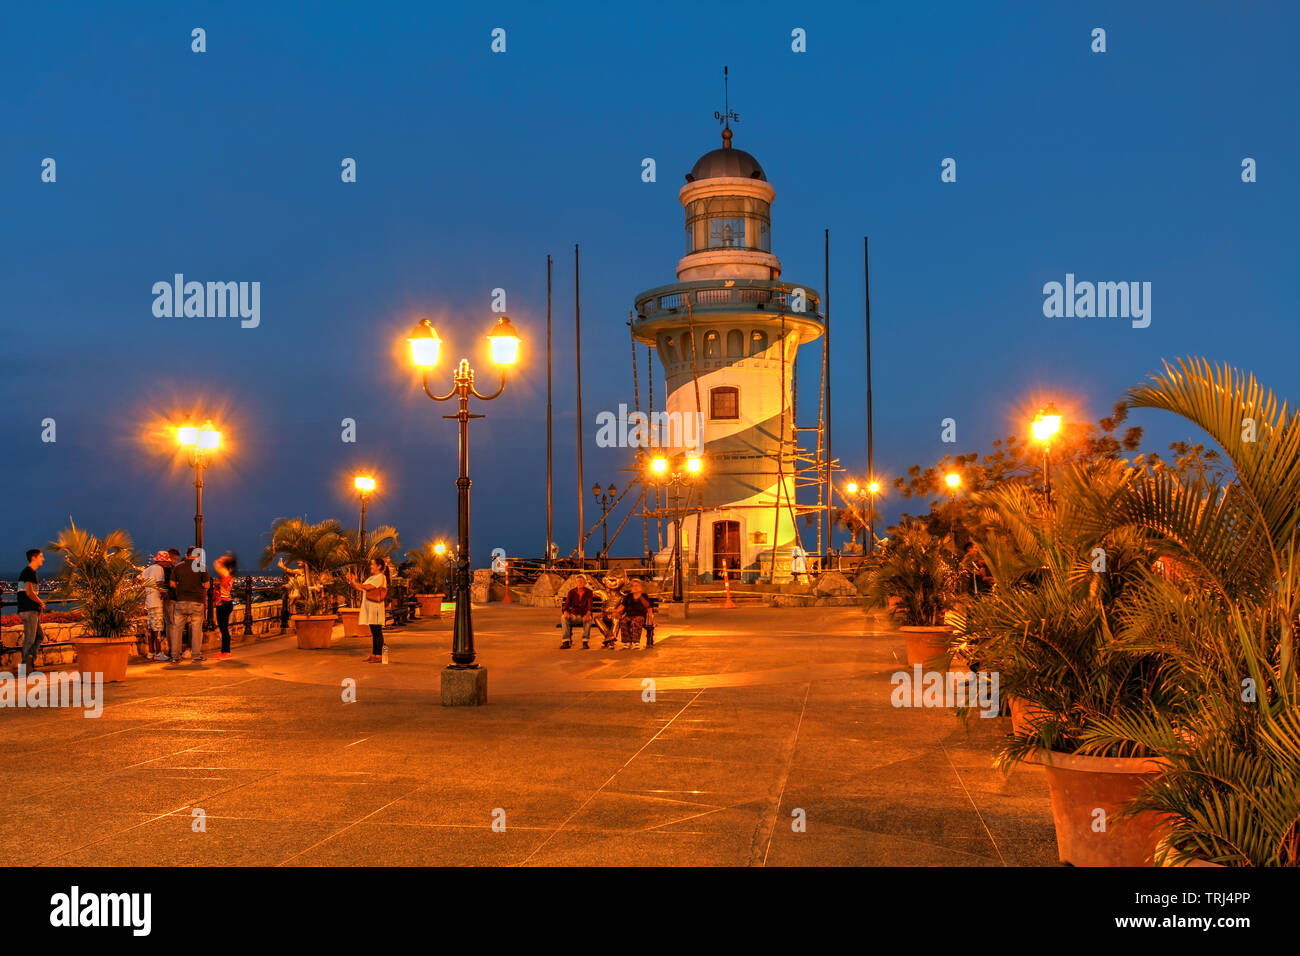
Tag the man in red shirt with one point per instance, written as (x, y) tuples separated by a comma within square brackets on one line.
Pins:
[(576, 608)]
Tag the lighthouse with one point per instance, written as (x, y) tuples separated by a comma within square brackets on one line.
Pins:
[(727, 332)]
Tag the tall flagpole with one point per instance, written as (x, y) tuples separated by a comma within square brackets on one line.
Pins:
[(550, 500), (826, 357), (871, 448), (577, 335)]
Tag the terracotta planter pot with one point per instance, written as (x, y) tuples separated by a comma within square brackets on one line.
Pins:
[(430, 605), (1079, 787), (103, 655), (314, 631), (350, 626), (926, 645), (1024, 715)]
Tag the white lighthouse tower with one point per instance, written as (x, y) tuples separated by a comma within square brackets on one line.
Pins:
[(727, 332)]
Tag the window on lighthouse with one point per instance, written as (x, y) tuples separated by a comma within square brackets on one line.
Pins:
[(728, 222), (735, 344), (727, 233), (757, 342), (724, 403)]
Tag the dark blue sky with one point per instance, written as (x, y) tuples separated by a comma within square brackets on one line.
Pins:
[(472, 166)]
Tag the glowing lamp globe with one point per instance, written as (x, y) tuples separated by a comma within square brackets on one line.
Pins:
[(425, 344), (1047, 424), (504, 342)]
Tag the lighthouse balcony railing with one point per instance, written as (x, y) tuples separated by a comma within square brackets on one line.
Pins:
[(722, 295)]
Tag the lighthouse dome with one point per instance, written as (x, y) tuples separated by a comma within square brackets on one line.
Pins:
[(733, 163)]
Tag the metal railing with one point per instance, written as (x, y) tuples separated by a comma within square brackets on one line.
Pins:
[(730, 295)]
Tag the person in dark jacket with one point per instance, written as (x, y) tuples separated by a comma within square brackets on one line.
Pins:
[(576, 609)]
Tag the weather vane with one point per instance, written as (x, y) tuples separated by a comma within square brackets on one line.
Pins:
[(726, 116)]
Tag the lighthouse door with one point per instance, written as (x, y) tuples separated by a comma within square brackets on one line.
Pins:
[(726, 546)]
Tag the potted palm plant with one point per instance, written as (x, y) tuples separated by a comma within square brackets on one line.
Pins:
[(381, 542), (1223, 618), (102, 576), (427, 577), (317, 549), (1062, 577), (916, 579)]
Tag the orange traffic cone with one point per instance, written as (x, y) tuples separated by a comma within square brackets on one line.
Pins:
[(726, 580)]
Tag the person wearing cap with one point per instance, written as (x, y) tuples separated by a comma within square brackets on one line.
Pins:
[(153, 580)]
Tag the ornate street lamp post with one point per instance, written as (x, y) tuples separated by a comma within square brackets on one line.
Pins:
[(425, 346), (866, 507), (605, 499), (873, 489), (200, 441), (364, 484), (663, 473)]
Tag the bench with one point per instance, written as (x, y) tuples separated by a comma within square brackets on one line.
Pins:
[(598, 614)]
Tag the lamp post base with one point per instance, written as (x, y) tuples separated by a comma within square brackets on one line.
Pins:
[(464, 686)]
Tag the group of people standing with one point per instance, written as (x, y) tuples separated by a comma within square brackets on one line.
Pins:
[(175, 598), (624, 614)]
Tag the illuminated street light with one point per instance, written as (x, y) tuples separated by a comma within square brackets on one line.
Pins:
[(660, 473), (870, 490), (425, 346), (1045, 427), (364, 484), (201, 442), (504, 343)]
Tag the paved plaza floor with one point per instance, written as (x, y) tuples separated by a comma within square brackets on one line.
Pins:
[(760, 718)]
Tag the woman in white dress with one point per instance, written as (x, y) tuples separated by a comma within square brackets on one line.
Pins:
[(374, 590)]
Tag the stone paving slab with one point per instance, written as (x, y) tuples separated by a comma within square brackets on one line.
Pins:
[(757, 714)]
